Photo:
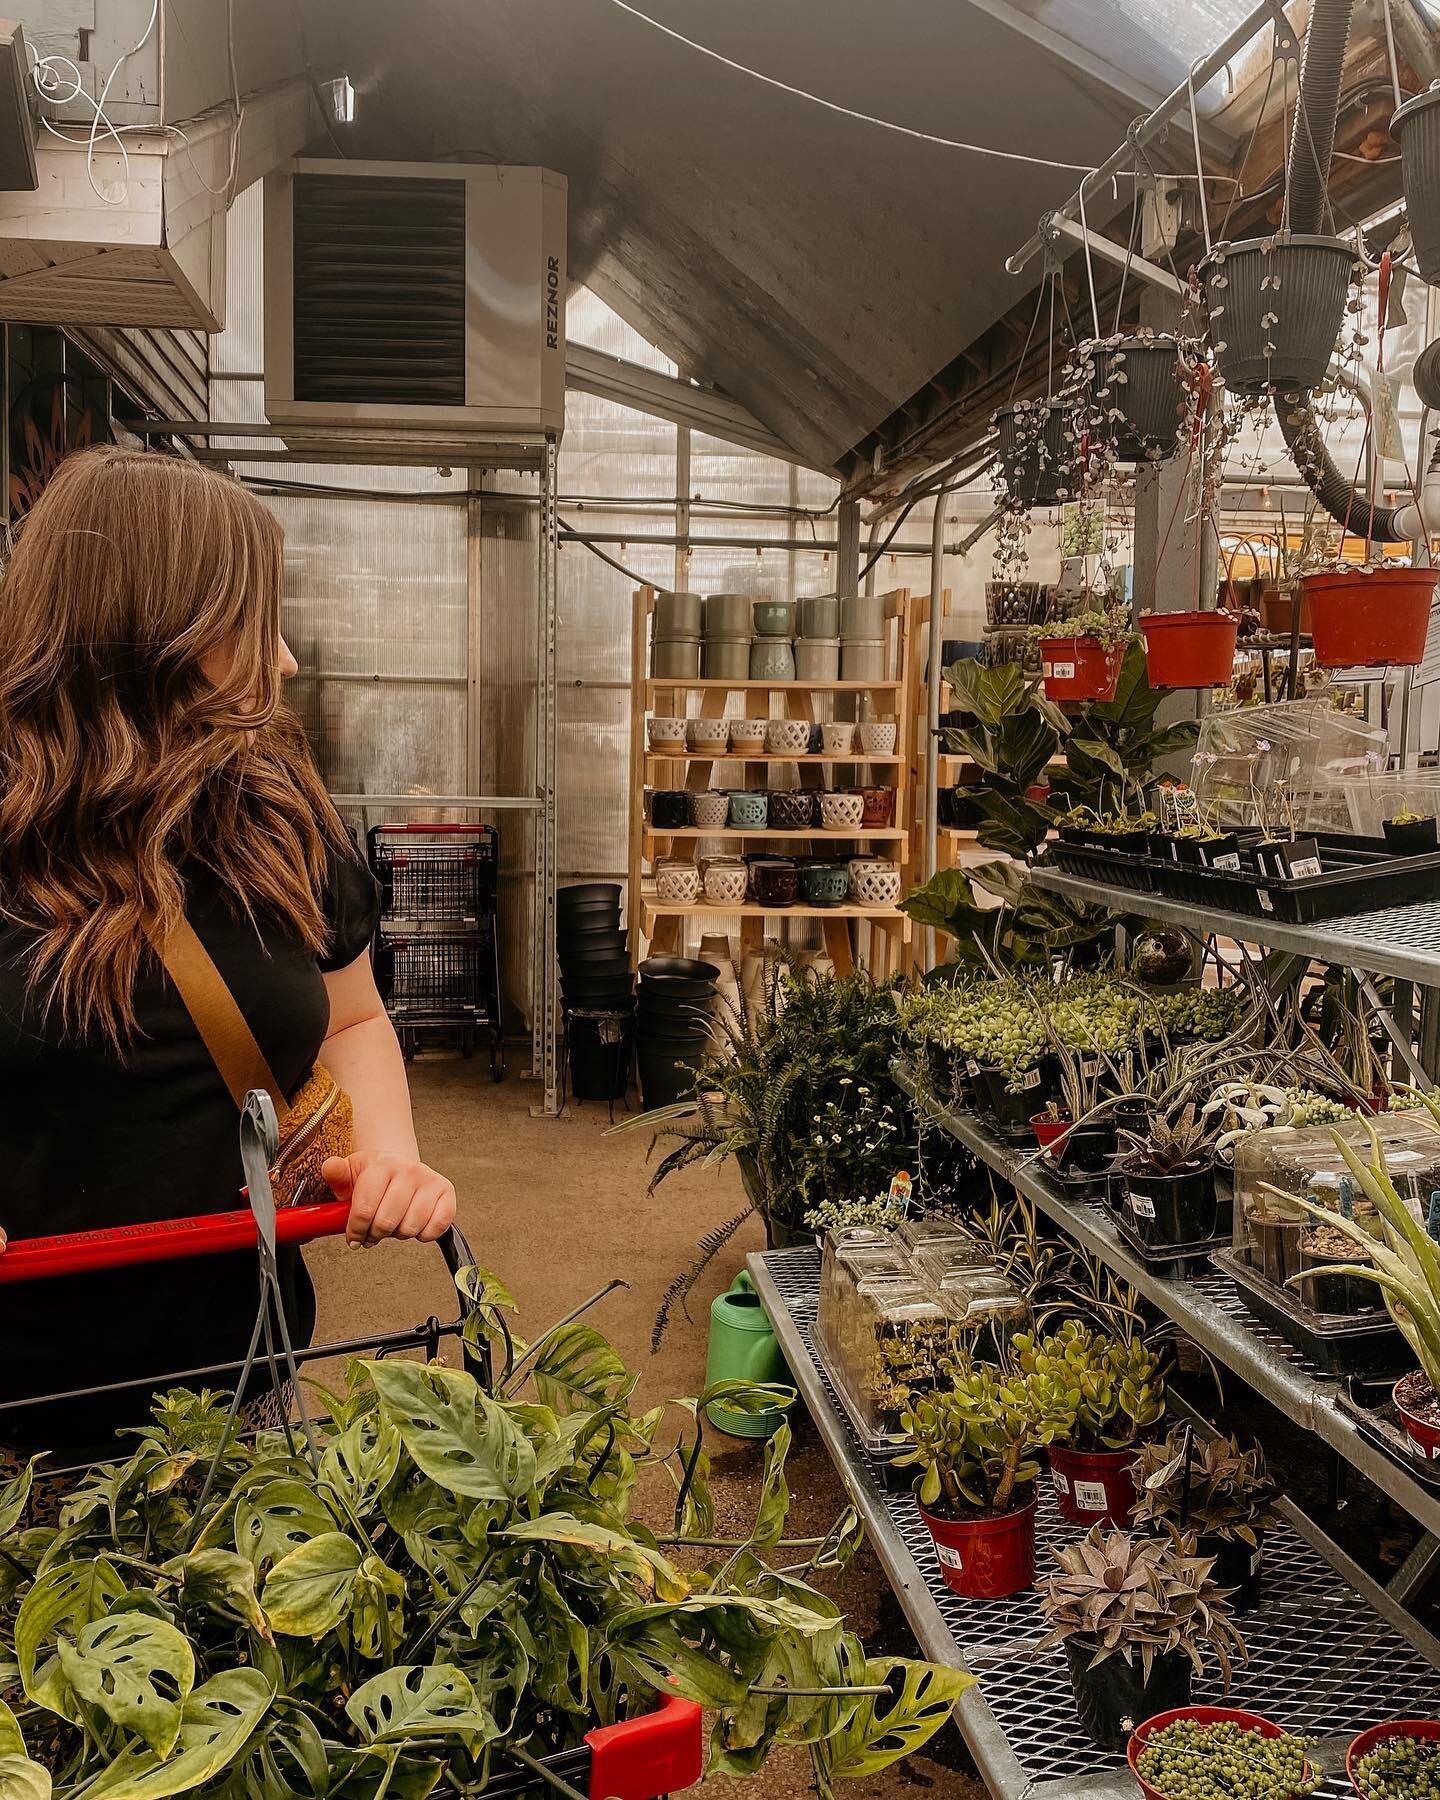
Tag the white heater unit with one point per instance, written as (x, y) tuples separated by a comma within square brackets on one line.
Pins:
[(414, 310)]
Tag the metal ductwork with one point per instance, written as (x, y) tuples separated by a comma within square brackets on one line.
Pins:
[(1311, 146)]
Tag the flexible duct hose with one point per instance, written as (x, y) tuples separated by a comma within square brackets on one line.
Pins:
[(1311, 146)]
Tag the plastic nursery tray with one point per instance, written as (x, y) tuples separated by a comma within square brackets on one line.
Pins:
[(881, 1447), (1367, 1401), (1358, 874), (1368, 1344), (1171, 1262)]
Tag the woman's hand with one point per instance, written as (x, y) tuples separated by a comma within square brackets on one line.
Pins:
[(390, 1196)]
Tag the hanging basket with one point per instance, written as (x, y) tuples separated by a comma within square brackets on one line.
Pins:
[(1037, 452), (1279, 334), (1369, 617), (1416, 128), (1080, 668), (1190, 649), (1140, 378)]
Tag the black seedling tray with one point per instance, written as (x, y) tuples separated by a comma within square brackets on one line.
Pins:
[(1369, 1404), (1172, 1262), (1368, 1344), (1358, 874)]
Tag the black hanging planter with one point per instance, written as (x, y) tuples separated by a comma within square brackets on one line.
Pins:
[(1416, 128), (1276, 306), (1113, 1697), (1138, 377), (1037, 451)]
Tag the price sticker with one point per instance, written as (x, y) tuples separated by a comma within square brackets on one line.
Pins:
[(1142, 1206), (1090, 1496), (1062, 1482), (1307, 865), (950, 1558), (1230, 860), (1060, 671), (1266, 903), (1030, 1079)]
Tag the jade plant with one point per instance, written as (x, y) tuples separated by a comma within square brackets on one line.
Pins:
[(1193, 1759), (441, 1583), (975, 1443), (1139, 1599), (1116, 1386), (1212, 1487)]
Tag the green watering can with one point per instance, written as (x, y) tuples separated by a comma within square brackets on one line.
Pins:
[(743, 1348)]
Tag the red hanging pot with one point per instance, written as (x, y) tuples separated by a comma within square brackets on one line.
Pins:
[(1426, 1729), (1093, 1487), (1080, 668), (1202, 1715), (1365, 619), (1190, 649), (986, 1559)]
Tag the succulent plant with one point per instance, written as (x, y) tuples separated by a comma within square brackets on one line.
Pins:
[(1139, 1598), (1184, 1140), (1230, 1494), (1117, 1385), (975, 1442), (1224, 1760), (1400, 1768)]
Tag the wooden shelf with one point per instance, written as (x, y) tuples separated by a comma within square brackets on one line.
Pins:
[(771, 687), (750, 909), (812, 833), (801, 758)]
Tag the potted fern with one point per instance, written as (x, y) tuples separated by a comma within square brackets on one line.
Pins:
[(1213, 1488), (1135, 1617)]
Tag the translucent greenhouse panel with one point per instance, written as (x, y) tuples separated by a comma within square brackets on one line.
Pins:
[(721, 471), (593, 787), (589, 321), (596, 603), (610, 452)]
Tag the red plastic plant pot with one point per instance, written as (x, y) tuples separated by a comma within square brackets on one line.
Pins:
[(1093, 1487), (1422, 1432), (986, 1559), (1429, 1729), (661, 1752), (1049, 1134), (1367, 620), (1190, 649), (1080, 668), (1202, 1715)]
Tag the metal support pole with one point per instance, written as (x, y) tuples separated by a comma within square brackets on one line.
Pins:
[(1392, 1030), (682, 509), (847, 548), (546, 999), (932, 701)]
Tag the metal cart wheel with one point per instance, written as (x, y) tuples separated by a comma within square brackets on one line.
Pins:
[(407, 1044), (497, 1058), (467, 1041)]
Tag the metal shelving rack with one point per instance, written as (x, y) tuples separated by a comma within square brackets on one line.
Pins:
[(1331, 1652)]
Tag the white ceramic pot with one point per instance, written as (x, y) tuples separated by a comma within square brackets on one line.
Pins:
[(749, 735), (709, 734), (841, 812), (787, 737), (726, 883), (665, 734), (877, 884), (817, 659), (877, 737), (837, 737), (710, 811), (677, 883)]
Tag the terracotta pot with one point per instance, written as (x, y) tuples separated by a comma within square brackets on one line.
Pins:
[(1369, 620), (1080, 668), (986, 1559), (1190, 649), (879, 808), (1277, 610)]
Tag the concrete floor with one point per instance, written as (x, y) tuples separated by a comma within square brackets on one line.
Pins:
[(556, 1208)]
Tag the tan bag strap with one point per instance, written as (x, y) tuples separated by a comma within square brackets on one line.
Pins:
[(216, 1016)]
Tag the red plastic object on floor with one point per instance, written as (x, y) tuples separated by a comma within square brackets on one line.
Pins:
[(1369, 621), (1190, 649), (661, 1752), (986, 1559), (1080, 668), (167, 1240), (1429, 1729), (1202, 1715)]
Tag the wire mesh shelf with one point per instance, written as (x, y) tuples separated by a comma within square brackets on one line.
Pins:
[(1322, 1661)]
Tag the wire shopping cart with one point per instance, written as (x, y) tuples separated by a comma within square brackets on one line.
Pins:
[(437, 957)]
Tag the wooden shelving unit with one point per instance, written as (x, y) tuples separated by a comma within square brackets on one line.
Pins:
[(878, 938)]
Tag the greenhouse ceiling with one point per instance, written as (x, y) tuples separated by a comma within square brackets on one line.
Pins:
[(845, 282)]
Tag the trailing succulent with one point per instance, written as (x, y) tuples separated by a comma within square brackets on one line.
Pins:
[(1139, 1598), (1400, 1768), (1222, 1760), (453, 1587), (1226, 1492), (1115, 1387)]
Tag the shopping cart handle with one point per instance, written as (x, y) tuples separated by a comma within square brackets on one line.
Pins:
[(166, 1240)]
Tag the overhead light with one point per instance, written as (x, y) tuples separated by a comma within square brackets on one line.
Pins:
[(342, 100)]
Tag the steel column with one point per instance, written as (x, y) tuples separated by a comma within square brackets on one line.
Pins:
[(544, 987)]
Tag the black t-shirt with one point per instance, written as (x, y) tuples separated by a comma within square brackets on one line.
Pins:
[(93, 1139)]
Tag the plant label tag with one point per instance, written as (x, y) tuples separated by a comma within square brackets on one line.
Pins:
[(1266, 903), (1307, 865), (1255, 1559), (1090, 1496), (972, 1068), (1030, 1079), (1062, 1482), (1230, 860), (1388, 436), (1142, 1206), (1060, 671), (949, 1558)]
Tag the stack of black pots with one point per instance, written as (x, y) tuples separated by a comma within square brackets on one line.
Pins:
[(597, 987), (676, 1014)]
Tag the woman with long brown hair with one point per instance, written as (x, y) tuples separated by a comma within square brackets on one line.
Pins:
[(155, 794)]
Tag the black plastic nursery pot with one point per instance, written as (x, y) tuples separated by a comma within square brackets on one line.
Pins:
[(1276, 305), (678, 968), (602, 1046), (1140, 379), (1036, 454), (1333, 1295), (1416, 128), (1411, 837), (1012, 1107), (665, 1077), (1169, 1210), (1112, 1697), (1238, 1567), (587, 893), (1287, 858)]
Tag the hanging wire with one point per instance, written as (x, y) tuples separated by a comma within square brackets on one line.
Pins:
[(1129, 255), (1390, 52), (1199, 160), (1089, 266), (1254, 135), (1029, 337)]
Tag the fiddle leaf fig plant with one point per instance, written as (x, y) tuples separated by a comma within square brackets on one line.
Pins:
[(456, 1586)]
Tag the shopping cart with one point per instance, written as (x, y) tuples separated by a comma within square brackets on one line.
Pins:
[(437, 956)]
